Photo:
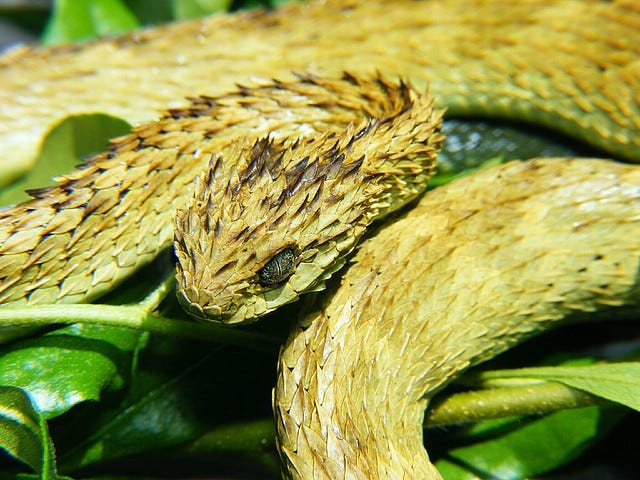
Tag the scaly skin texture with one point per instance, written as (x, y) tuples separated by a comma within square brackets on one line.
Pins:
[(490, 260), (303, 187), (500, 256), (313, 197), (569, 65)]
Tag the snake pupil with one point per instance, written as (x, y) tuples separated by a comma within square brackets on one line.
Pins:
[(279, 268)]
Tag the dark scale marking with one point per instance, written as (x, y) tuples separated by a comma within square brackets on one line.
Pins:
[(123, 193), (293, 178), (311, 203), (228, 190), (211, 207), (86, 164), (275, 167), (263, 161), (39, 193), (362, 132), (301, 165), (310, 174), (313, 171), (279, 200), (242, 233), (279, 268), (302, 206)]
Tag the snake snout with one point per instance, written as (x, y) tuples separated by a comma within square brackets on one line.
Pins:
[(223, 310)]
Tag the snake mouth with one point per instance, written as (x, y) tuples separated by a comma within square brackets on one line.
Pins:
[(223, 312)]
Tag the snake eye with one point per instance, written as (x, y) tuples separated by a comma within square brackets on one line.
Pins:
[(279, 268)]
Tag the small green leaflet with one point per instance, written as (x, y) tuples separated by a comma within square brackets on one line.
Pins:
[(23, 432), (197, 8)]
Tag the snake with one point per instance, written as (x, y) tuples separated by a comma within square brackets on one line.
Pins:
[(300, 137)]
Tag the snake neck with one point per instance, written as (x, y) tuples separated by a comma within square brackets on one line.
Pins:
[(77, 240), (482, 270)]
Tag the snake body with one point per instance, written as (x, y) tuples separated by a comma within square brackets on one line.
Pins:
[(481, 270), (317, 194), (569, 65), (498, 256)]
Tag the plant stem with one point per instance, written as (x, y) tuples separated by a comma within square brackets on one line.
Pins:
[(541, 398), (153, 300), (249, 436), (134, 317), (537, 398)]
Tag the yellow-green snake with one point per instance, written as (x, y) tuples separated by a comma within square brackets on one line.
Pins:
[(272, 184)]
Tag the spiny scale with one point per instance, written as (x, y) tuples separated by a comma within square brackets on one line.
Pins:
[(568, 65), (491, 259), (313, 197), (76, 240)]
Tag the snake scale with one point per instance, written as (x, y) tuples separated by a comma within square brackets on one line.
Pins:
[(474, 268)]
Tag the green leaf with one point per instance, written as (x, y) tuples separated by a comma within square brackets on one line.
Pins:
[(63, 148), (524, 449), (70, 365), (617, 382), (151, 12), (181, 390), (23, 432), (75, 20), (196, 8)]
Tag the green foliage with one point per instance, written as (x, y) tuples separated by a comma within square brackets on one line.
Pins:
[(67, 144), (23, 432), (197, 8), (70, 365), (74, 20), (513, 449), (104, 394), (178, 394), (519, 447), (617, 382)]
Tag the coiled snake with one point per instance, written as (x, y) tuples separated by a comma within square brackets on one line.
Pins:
[(297, 169)]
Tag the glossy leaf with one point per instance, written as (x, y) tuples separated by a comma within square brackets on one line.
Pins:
[(70, 365), (181, 390), (513, 449)]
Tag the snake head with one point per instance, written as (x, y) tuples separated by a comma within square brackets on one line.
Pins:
[(276, 218), (254, 238)]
